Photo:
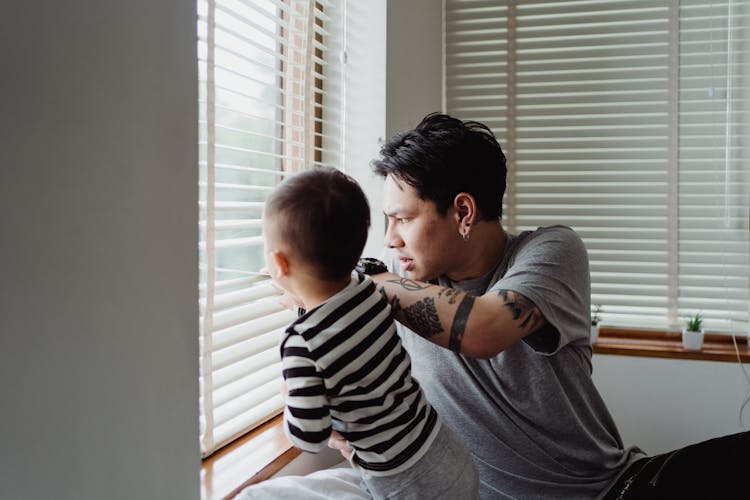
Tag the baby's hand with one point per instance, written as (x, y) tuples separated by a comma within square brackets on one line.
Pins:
[(337, 442), (286, 299)]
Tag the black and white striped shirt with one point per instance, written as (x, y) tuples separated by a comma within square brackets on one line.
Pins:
[(346, 370)]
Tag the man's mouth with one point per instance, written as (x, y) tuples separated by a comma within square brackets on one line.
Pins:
[(406, 264)]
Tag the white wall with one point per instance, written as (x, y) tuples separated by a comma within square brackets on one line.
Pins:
[(394, 78), (365, 105), (414, 62), (663, 404), (98, 317)]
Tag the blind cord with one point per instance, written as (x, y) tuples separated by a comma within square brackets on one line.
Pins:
[(745, 401), (727, 116)]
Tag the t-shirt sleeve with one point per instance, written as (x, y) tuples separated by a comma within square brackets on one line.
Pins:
[(306, 415), (551, 269)]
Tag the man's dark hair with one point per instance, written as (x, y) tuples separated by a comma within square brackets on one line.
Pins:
[(444, 156), (323, 217)]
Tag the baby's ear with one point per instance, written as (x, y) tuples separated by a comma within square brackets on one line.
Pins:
[(281, 263)]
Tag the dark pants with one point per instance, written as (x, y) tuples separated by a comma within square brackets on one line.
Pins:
[(715, 469)]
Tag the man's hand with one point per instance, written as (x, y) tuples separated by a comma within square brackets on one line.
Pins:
[(337, 442)]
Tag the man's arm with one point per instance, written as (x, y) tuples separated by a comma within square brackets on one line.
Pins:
[(479, 327)]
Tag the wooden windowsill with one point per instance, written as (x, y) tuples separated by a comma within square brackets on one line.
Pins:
[(256, 456), (660, 344), (264, 451)]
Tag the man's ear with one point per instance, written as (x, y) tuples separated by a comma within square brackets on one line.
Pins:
[(281, 263), (466, 210)]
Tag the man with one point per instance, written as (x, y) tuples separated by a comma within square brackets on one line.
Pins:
[(497, 326), (502, 322)]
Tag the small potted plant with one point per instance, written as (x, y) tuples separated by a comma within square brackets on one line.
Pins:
[(692, 334), (595, 319)]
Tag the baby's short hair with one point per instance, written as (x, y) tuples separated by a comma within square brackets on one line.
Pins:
[(322, 217)]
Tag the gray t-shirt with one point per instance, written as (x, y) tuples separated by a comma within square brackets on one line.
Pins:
[(531, 416)]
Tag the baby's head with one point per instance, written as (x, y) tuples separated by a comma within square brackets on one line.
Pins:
[(318, 220)]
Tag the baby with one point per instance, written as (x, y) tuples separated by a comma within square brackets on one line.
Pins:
[(343, 363)]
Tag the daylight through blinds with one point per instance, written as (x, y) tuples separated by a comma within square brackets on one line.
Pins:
[(625, 120), (270, 87)]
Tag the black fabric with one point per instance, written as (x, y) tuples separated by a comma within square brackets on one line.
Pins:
[(715, 469)]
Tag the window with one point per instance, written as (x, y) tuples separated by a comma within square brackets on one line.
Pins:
[(626, 120), (270, 87)]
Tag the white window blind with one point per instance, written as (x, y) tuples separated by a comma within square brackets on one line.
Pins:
[(270, 81), (626, 120)]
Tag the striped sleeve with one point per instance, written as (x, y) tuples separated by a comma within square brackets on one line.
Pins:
[(306, 414)]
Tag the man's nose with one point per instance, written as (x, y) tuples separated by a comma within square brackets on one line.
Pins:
[(392, 238)]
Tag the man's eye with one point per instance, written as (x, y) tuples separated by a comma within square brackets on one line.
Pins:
[(403, 220)]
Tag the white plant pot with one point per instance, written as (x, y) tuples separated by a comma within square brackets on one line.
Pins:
[(692, 341), (594, 333)]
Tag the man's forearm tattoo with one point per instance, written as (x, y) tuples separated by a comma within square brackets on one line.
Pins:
[(523, 309), (422, 317), (394, 302), (459, 322), (449, 294), (411, 285)]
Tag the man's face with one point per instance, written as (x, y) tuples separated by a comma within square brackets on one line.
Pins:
[(425, 241)]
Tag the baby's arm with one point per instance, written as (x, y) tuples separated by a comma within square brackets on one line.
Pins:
[(306, 416)]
